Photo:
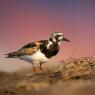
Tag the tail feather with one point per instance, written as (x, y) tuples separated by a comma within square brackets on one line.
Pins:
[(11, 55)]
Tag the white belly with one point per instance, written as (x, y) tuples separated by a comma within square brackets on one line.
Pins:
[(38, 56)]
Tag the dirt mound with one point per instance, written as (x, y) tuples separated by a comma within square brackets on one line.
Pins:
[(73, 77)]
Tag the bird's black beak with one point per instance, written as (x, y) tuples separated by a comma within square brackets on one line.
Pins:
[(65, 39)]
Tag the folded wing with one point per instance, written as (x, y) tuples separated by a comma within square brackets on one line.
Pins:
[(28, 49)]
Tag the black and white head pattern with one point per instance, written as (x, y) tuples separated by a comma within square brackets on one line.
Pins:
[(56, 37)]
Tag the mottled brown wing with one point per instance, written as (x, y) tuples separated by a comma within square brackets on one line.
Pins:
[(28, 49)]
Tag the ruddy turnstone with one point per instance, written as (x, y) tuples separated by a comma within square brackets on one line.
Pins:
[(40, 51)]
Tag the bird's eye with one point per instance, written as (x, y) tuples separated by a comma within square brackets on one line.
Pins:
[(57, 35)]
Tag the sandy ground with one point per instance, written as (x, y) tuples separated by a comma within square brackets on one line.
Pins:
[(72, 77)]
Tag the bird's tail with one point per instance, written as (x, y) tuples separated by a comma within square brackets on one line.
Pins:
[(11, 55)]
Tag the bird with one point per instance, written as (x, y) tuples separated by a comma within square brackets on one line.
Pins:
[(40, 51)]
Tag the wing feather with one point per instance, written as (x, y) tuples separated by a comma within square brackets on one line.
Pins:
[(28, 49)]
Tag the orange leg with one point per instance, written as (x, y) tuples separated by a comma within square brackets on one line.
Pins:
[(34, 69), (42, 69)]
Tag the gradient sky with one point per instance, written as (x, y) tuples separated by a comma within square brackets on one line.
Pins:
[(24, 21)]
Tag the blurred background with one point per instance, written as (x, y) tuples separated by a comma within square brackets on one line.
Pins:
[(24, 21)]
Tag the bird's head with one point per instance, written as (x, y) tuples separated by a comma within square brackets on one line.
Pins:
[(57, 37)]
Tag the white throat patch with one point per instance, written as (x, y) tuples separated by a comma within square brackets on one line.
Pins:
[(54, 40), (49, 44), (59, 43)]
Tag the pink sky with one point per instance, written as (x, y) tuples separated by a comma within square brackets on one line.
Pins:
[(24, 22)]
